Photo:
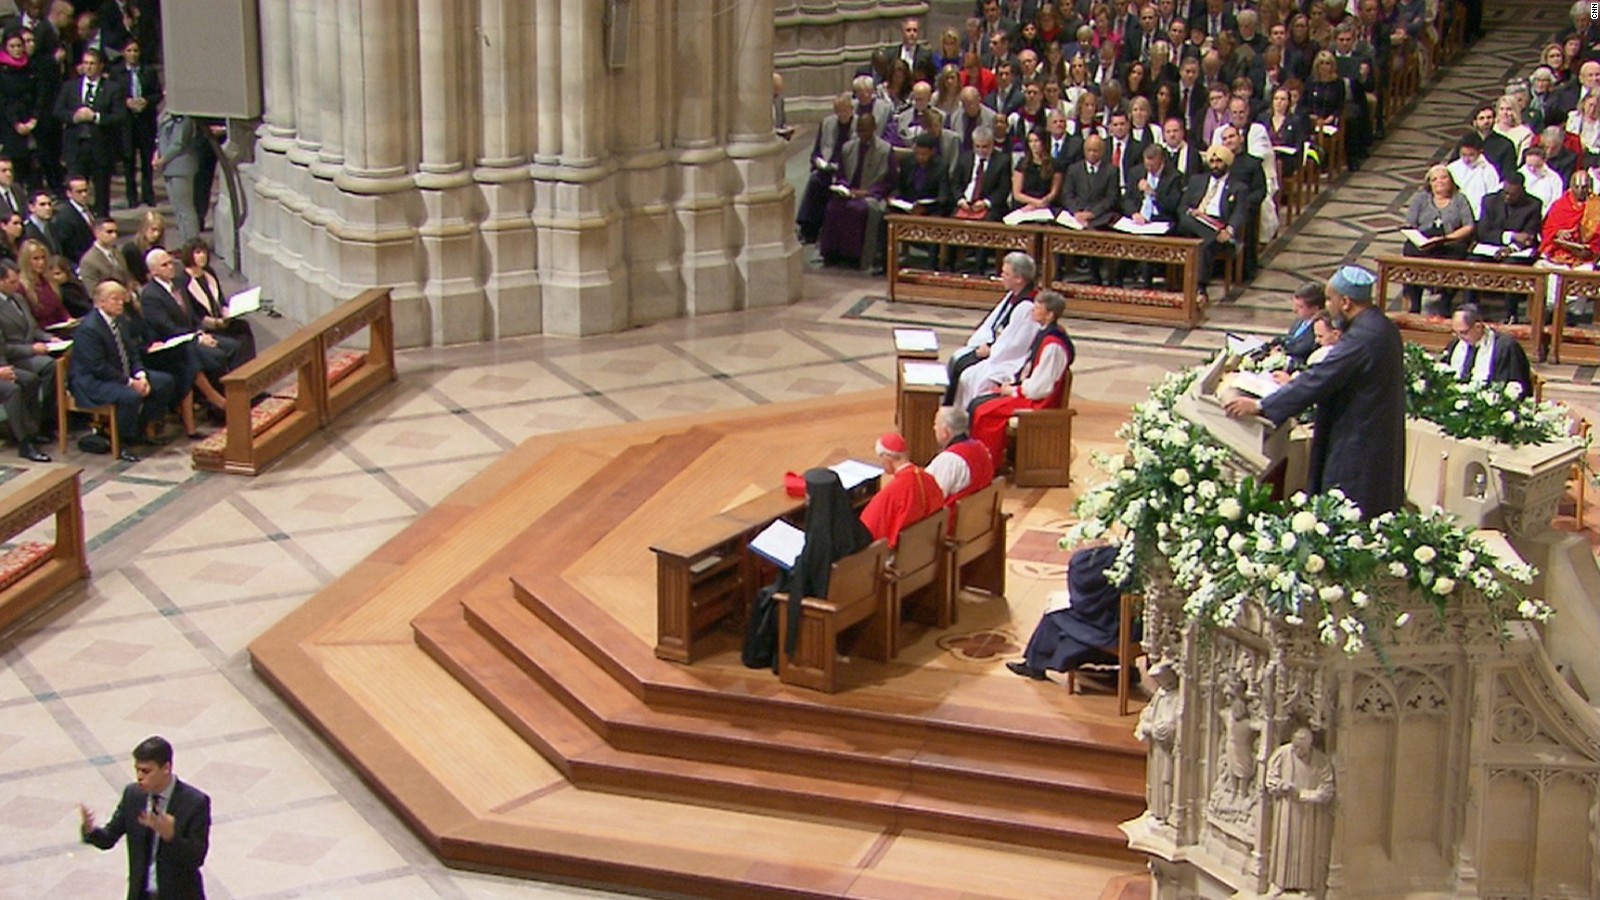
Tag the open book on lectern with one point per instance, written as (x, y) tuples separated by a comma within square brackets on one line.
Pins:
[(1258, 444)]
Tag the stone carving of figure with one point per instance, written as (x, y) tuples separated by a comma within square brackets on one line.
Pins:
[(1158, 726), (1300, 782), (1233, 794)]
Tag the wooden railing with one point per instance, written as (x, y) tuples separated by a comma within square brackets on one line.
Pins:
[(1434, 331), (33, 572), (327, 381)]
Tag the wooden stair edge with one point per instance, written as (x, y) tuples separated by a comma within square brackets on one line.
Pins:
[(900, 758), (608, 644)]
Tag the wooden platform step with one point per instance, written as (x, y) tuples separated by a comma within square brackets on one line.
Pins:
[(882, 780)]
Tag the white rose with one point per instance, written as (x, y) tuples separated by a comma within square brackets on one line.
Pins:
[(1293, 619), (1178, 437), (1237, 543), (1207, 490), (1298, 499), (1245, 567), (1424, 554), (1288, 540), (1315, 564), (1401, 620), (1467, 558), (1180, 477), (1514, 389), (1419, 386), (1264, 544), (1442, 586), (1331, 594), (1360, 599), (1398, 569), (1508, 417), (1303, 521), (1356, 542), (1221, 532), (1162, 530), (1461, 405), (1230, 509), (1126, 476)]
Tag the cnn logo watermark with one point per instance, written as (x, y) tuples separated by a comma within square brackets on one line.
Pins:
[(1594, 10)]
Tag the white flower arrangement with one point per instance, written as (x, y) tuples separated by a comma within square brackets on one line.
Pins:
[(1169, 503)]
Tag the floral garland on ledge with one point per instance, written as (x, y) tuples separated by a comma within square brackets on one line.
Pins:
[(1306, 560)]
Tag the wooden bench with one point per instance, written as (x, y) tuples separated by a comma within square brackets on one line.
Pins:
[(976, 290), (1434, 332), (975, 550), (857, 596), (1165, 307), (913, 574), (325, 380), (706, 573), (1041, 443), (32, 572), (1574, 343)]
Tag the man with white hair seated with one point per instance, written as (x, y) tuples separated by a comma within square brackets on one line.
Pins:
[(999, 345), (964, 465), (910, 496)]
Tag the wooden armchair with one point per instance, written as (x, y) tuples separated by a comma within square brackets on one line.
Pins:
[(856, 596), (1127, 651), (1041, 443), (67, 404), (914, 573), (975, 550)]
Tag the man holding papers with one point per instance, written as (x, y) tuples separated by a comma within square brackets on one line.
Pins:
[(1358, 442), (1508, 231), (1214, 209), (998, 346), (910, 496)]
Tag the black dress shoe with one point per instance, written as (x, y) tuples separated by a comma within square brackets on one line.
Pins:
[(1026, 671), (31, 453), (127, 457)]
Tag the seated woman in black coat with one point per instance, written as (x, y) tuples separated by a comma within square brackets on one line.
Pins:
[(1076, 634), (833, 531)]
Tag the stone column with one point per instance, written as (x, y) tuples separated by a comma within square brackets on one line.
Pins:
[(512, 288), (277, 25), (704, 219), (769, 255), (450, 247), (641, 103), (276, 137), (307, 118)]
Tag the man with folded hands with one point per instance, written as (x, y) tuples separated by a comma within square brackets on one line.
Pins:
[(108, 367), (1214, 209)]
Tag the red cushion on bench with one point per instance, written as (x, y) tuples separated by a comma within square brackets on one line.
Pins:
[(342, 362), (263, 415), (16, 563), (1129, 296)]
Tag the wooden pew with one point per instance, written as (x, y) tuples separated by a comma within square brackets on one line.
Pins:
[(1041, 443), (976, 290), (1574, 343), (913, 573), (33, 572), (706, 573), (1433, 332), (975, 550), (1170, 307), (328, 380), (856, 596)]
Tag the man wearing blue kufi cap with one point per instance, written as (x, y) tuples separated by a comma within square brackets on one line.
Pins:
[(1359, 440)]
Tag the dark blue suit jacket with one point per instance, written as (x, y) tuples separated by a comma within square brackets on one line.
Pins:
[(178, 861), (96, 369)]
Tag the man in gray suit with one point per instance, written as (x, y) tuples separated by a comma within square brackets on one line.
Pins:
[(178, 159), (103, 261), (28, 381)]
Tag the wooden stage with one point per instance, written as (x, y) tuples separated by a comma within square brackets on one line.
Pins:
[(490, 673)]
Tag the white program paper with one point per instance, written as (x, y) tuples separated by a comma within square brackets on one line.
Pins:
[(1023, 216), (780, 542), (854, 472), (1481, 249), (916, 340), (1129, 226), (1241, 345), (1259, 384), (246, 301), (925, 373)]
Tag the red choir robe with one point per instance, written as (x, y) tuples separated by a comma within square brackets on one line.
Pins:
[(989, 421), (912, 495), (1571, 221)]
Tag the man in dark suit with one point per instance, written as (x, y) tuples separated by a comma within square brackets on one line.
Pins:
[(142, 96), (1567, 98), (1512, 222), (91, 109), (1136, 43), (73, 224), (108, 367), (1480, 354), (119, 25), (1182, 156), (41, 212), (1089, 193), (1358, 442), (1214, 19), (983, 179), (167, 823), (1063, 150), (1154, 192), (12, 199), (1123, 153), (916, 54), (1191, 96), (1300, 340), (1251, 173), (1213, 209)]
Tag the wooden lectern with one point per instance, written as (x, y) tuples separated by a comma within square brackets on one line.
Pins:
[(1261, 449)]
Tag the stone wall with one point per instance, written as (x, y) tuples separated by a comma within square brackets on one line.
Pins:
[(819, 45), (508, 172)]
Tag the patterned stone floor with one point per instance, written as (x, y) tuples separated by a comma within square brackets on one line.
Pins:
[(189, 567)]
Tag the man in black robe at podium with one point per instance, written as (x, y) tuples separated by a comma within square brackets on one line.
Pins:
[(1358, 443), (1084, 630)]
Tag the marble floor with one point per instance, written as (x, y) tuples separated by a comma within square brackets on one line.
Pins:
[(189, 567)]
